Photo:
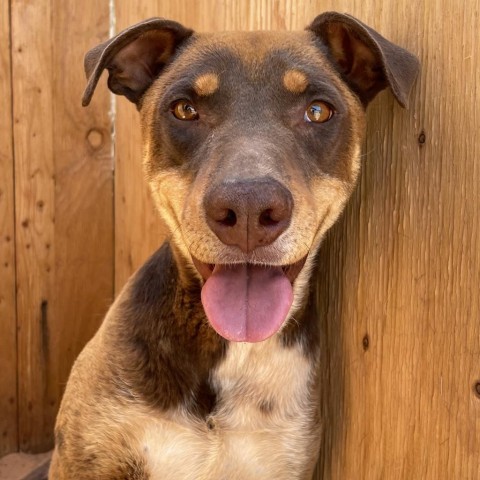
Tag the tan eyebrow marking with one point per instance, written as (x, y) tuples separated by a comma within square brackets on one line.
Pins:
[(295, 81), (206, 84)]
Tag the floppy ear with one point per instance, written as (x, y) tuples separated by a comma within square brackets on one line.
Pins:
[(134, 58), (367, 61)]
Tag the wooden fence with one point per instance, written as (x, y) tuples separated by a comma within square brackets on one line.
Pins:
[(399, 274)]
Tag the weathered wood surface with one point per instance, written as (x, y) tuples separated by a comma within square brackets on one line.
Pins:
[(8, 343), (63, 202)]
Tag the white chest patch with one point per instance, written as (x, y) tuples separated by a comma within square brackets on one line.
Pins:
[(262, 428)]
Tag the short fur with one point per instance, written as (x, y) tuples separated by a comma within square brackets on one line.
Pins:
[(157, 393)]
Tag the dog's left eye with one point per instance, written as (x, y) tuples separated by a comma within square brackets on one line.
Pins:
[(184, 110), (318, 112)]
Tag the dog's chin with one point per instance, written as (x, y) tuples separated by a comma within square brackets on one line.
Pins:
[(247, 302)]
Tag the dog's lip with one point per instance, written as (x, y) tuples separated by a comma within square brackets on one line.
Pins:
[(291, 271)]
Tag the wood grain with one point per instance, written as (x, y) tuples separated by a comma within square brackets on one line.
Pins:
[(34, 182), (63, 200), (8, 345)]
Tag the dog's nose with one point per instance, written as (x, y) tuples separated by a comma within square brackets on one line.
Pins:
[(248, 213)]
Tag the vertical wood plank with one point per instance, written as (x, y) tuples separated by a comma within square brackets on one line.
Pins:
[(34, 178), (83, 188), (8, 349), (64, 209)]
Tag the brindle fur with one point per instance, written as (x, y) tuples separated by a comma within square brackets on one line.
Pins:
[(157, 393)]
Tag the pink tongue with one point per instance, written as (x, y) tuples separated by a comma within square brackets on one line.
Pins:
[(247, 303)]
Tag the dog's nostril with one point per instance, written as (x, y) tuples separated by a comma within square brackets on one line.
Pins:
[(229, 219), (267, 219)]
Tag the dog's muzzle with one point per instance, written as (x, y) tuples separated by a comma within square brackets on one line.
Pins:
[(248, 302)]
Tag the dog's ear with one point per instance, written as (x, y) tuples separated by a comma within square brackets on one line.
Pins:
[(134, 58), (367, 61)]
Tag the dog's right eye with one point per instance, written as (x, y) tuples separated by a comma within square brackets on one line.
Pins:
[(184, 110), (318, 112)]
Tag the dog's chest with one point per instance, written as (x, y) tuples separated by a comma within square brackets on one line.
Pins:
[(263, 426)]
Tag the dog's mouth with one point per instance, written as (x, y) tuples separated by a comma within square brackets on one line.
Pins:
[(247, 302)]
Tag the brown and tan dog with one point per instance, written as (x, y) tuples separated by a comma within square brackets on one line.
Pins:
[(205, 367)]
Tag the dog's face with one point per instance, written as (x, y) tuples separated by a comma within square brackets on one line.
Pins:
[(244, 125), (252, 147)]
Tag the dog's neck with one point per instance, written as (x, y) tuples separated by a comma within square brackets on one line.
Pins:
[(167, 349)]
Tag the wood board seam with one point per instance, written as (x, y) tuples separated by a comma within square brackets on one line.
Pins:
[(14, 239)]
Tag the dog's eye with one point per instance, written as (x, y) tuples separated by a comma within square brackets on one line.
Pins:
[(184, 110), (318, 112)]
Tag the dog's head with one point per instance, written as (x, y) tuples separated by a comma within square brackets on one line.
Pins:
[(251, 147)]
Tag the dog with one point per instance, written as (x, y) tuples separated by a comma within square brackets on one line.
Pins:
[(205, 367)]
